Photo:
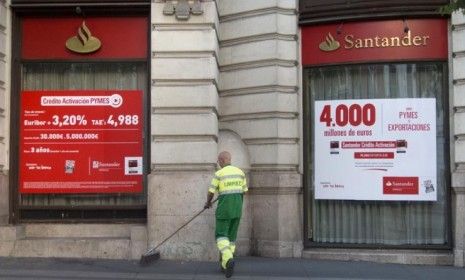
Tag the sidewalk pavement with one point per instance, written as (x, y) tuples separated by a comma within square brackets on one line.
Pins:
[(246, 268)]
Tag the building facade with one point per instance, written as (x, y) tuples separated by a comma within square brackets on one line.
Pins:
[(199, 77)]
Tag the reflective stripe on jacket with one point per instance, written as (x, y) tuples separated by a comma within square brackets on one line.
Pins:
[(228, 180)]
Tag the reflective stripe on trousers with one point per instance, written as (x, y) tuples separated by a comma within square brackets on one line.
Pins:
[(232, 246), (224, 247)]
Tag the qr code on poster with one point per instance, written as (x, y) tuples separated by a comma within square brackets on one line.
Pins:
[(428, 186)]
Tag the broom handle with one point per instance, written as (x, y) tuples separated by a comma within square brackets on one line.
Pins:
[(185, 224)]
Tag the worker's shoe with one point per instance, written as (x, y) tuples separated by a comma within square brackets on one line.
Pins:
[(229, 268)]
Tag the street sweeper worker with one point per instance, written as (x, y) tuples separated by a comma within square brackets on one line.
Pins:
[(230, 184)]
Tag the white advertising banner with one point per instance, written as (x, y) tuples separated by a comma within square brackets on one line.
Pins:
[(375, 149)]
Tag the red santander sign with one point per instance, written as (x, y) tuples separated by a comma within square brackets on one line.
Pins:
[(106, 38), (389, 40)]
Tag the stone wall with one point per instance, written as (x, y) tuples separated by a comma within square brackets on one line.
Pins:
[(235, 69), (184, 130), (457, 93), (101, 241), (5, 35), (259, 100)]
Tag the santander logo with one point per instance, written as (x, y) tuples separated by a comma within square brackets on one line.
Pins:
[(400, 185), (83, 42), (330, 44)]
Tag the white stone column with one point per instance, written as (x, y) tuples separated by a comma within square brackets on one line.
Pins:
[(5, 41), (259, 100), (458, 140), (184, 130)]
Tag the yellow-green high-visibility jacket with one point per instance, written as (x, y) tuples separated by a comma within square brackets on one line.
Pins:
[(230, 183)]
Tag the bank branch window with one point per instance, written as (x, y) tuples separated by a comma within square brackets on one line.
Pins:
[(377, 154), (82, 121)]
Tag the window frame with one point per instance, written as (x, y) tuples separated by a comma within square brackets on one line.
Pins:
[(309, 171), (69, 214)]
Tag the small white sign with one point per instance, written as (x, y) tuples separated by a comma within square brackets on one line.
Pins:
[(133, 166)]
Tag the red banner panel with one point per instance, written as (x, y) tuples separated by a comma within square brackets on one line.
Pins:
[(373, 155), (389, 40), (81, 141), (98, 37), (368, 144), (400, 185)]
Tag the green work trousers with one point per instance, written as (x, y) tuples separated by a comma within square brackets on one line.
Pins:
[(227, 228)]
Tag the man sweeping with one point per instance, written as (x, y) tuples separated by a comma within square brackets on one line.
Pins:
[(230, 183)]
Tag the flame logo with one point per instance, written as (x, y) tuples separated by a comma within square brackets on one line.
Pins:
[(84, 42), (330, 44)]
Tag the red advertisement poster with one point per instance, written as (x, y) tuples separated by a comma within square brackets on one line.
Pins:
[(81, 141)]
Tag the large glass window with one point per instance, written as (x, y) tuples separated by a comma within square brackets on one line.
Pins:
[(379, 222)]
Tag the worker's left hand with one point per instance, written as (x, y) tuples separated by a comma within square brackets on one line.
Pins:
[(207, 205)]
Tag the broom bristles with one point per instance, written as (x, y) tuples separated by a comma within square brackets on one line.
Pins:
[(147, 258)]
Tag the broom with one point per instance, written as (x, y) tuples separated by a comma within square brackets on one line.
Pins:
[(153, 254)]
